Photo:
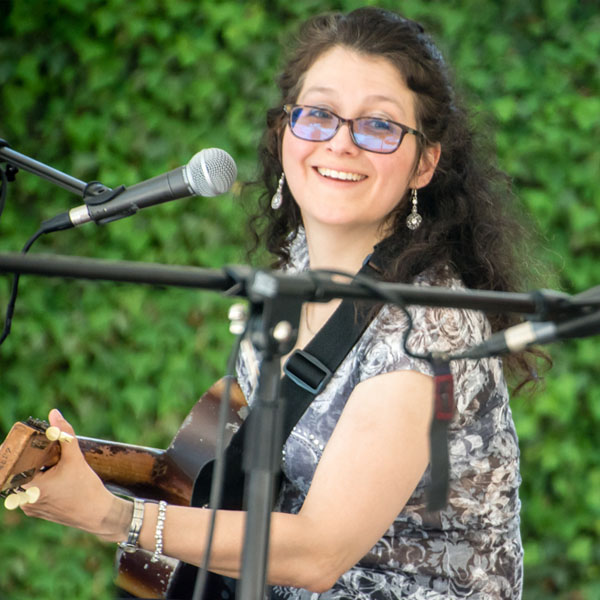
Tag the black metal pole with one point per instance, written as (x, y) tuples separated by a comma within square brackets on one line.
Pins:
[(307, 287), (122, 271), (21, 161), (273, 329)]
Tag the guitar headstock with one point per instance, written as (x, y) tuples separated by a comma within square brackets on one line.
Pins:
[(25, 451)]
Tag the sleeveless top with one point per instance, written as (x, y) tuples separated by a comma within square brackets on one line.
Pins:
[(471, 548)]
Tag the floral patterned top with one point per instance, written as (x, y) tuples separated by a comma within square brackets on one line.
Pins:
[(471, 548)]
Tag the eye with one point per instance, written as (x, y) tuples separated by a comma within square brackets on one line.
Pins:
[(317, 113), (380, 125)]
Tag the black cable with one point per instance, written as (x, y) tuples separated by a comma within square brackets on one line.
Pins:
[(10, 309), (3, 190), (218, 475)]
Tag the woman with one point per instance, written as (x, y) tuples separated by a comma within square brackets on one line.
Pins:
[(368, 148)]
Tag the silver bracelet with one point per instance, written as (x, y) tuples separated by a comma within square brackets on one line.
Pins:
[(158, 534), (137, 519)]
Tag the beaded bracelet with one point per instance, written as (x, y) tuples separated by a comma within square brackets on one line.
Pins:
[(135, 527), (158, 534)]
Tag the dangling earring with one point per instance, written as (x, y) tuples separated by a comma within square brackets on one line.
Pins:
[(414, 220), (277, 198)]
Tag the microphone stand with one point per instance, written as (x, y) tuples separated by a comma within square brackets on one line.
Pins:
[(276, 300), (313, 286), (67, 182), (273, 329)]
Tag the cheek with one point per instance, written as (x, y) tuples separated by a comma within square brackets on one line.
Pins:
[(287, 150), (394, 183), (398, 169), (293, 150), (294, 153)]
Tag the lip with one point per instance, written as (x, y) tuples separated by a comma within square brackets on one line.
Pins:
[(352, 176)]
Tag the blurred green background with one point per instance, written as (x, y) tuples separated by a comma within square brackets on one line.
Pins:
[(119, 91)]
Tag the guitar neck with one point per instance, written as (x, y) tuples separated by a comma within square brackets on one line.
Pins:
[(133, 471), (124, 468), (137, 470)]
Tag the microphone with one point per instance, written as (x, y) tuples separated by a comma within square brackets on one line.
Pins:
[(519, 337), (210, 172)]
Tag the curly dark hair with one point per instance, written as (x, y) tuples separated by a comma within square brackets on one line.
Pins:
[(467, 208)]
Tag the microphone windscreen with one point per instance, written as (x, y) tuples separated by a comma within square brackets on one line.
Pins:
[(211, 172)]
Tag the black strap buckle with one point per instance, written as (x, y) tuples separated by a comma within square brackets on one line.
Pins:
[(307, 372)]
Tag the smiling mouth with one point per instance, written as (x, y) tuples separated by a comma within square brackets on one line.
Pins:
[(340, 175)]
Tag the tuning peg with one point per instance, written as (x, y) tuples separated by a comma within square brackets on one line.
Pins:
[(33, 494), (53, 433), (15, 500), (238, 315), (23, 497), (28, 496), (11, 502)]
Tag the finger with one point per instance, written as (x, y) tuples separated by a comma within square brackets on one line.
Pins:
[(56, 419), (60, 429)]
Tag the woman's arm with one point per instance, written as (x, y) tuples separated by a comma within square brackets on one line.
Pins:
[(369, 468)]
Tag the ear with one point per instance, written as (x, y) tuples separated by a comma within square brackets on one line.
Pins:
[(427, 165)]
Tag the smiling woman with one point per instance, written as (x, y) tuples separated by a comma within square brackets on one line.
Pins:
[(347, 180), (368, 164)]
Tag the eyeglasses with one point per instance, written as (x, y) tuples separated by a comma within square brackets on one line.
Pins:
[(316, 124)]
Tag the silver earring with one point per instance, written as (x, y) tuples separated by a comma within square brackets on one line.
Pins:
[(277, 198), (414, 220)]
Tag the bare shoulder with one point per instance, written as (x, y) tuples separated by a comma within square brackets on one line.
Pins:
[(403, 393)]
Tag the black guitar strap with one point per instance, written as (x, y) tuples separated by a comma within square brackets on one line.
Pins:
[(307, 372)]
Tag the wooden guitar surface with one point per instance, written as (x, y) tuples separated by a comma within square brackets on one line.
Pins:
[(132, 470)]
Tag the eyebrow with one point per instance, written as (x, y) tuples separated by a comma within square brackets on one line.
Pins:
[(370, 98)]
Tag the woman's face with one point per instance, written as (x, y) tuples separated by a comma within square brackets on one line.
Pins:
[(335, 182)]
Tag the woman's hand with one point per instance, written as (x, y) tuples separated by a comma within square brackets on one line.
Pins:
[(72, 494)]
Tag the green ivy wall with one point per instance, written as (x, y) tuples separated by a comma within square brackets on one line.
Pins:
[(119, 91)]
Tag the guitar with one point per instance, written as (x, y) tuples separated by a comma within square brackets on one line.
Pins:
[(133, 471)]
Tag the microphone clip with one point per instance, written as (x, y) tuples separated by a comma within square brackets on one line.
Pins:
[(97, 193), (550, 305)]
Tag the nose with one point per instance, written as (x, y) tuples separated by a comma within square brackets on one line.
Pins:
[(342, 142)]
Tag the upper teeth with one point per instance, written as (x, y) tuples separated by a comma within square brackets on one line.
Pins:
[(340, 174)]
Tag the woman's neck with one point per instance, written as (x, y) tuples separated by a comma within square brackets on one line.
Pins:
[(339, 249)]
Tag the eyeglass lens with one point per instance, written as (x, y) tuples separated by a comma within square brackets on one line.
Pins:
[(319, 125)]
